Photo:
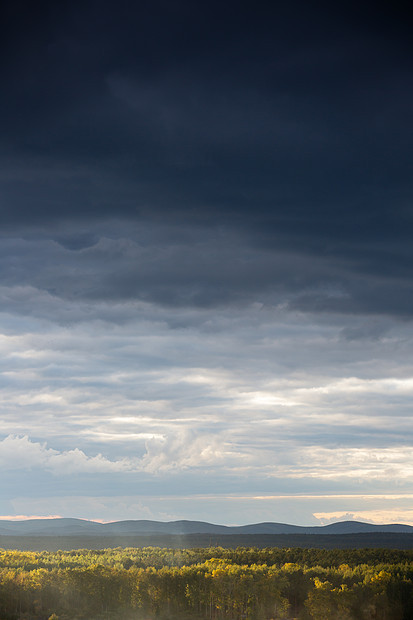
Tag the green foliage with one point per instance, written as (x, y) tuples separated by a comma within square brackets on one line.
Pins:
[(212, 583)]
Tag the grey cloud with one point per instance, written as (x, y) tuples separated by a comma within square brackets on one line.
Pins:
[(90, 275)]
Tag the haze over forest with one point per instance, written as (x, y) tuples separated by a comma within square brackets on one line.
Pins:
[(206, 283)]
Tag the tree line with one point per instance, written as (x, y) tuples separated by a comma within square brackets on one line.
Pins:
[(213, 583)]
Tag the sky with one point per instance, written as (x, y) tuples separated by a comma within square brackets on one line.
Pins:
[(206, 261)]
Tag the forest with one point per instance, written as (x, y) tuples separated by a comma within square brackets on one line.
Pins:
[(209, 583)]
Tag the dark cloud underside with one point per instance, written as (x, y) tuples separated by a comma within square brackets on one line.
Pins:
[(287, 125)]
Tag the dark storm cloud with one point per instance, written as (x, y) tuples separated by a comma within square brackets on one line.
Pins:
[(289, 128), (194, 266)]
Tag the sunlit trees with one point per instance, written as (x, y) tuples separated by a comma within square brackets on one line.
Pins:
[(210, 584)]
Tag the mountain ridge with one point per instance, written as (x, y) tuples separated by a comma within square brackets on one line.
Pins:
[(144, 527)]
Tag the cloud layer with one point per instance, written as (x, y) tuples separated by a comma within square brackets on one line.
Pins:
[(206, 276)]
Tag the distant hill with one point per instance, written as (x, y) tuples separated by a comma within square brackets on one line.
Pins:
[(380, 540), (81, 527)]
